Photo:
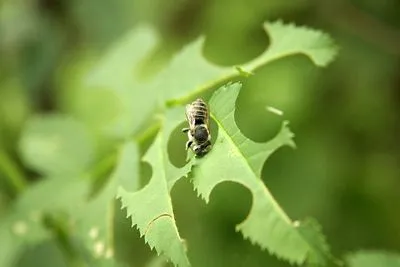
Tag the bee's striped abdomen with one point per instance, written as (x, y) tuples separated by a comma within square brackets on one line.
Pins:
[(200, 111)]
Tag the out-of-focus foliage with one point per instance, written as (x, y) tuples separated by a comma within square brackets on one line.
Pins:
[(373, 258), (55, 145), (75, 122)]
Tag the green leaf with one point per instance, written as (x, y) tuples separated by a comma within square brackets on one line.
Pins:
[(11, 246), (373, 259), (93, 219), (236, 158), (47, 253), (150, 208), (96, 219), (311, 231), (188, 73), (54, 145), (288, 39)]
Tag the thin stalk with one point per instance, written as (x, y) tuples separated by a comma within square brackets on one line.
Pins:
[(13, 174), (62, 236)]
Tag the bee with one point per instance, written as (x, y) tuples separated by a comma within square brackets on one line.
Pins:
[(198, 133)]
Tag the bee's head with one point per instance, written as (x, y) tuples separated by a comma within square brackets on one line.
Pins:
[(201, 133)]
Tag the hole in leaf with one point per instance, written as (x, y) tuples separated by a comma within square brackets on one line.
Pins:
[(213, 131), (275, 175), (176, 146), (230, 203), (284, 84), (128, 240), (146, 171), (177, 141), (252, 117), (223, 43)]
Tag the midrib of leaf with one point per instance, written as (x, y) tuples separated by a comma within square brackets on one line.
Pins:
[(170, 215), (267, 192)]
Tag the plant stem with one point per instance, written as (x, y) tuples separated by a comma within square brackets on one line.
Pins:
[(99, 173), (103, 165), (12, 173), (148, 133), (185, 99), (60, 230)]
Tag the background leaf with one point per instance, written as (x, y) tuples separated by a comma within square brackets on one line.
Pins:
[(56, 144), (373, 258), (23, 225), (118, 71)]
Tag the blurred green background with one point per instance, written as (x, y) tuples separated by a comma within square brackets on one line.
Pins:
[(346, 117)]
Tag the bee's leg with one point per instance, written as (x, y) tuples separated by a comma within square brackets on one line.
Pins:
[(202, 149), (185, 130), (189, 144), (197, 149), (207, 147)]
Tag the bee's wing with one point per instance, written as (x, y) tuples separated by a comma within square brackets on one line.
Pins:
[(207, 118), (189, 115)]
